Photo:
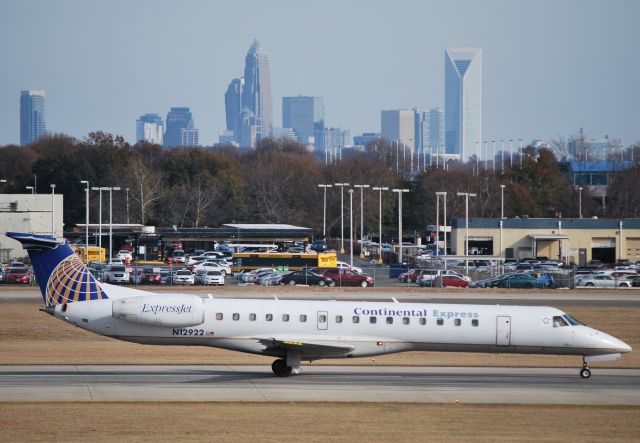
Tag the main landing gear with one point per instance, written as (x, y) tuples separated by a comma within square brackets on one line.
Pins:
[(286, 367), (585, 372)]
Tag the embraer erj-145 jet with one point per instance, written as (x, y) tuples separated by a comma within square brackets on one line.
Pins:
[(302, 330)]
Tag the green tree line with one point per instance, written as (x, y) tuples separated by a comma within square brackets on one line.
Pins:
[(278, 183)]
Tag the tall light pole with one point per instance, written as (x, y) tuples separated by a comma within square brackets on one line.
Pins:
[(127, 189), (31, 188), (520, 140), (99, 189), (466, 196), (361, 216), (111, 189), (400, 192), (494, 155), (324, 216), (444, 196), (478, 158), (53, 226), (502, 156), (486, 155), (580, 201), (86, 229), (342, 185), (380, 189), (350, 227), (511, 153), (501, 202)]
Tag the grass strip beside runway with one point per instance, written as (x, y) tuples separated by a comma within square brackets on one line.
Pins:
[(315, 422)]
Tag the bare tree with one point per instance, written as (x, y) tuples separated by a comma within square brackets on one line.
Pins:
[(146, 186)]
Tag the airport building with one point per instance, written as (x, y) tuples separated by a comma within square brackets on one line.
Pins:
[(571, 240), (32, 213)]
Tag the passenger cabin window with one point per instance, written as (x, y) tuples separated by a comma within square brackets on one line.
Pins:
[(457, 322), (474, 322), (269, 317), (373, 320), (389, 320), (236, 316), (423, 321), (322, 318), (285, 317), (303, 318), (440, 321), (559, 321), (356, 319), (219, 316), (405, 320), (252, 317), (338, 318)]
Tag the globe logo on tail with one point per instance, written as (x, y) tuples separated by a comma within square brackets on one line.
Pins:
[(71, 281)]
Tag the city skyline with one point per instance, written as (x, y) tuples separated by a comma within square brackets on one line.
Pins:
[(529, 90)]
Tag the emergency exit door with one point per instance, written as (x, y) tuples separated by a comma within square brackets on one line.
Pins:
[(503, 331)]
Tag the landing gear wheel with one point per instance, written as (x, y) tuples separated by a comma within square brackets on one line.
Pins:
[(585, 373), (280, 368)]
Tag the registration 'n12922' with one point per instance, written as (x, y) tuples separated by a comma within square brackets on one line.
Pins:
[(188, 331)]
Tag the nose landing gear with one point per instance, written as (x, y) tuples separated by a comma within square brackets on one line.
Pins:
[(585, 372)]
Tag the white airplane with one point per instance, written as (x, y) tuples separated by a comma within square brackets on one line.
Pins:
[(303, 330)]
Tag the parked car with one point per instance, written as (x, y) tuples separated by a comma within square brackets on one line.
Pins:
[(150, 276), (135, 276), (183, 277), (270, 279), (347, 277), (515, 281), (602, 281), (319, 246), (114, 273), (213, 278), (344, 265), (178, 256), (166, 276), (17, 275), (455, 281), (124, 255), (255, 275), (213, 266), (195, 260), (306, 278)]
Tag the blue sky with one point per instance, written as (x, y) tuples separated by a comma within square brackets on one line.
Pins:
[(549, 66)]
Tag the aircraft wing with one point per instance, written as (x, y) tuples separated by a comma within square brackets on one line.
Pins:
[(308, 347)]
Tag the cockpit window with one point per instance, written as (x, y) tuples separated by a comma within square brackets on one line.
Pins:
[(571, 320), (559, 321)]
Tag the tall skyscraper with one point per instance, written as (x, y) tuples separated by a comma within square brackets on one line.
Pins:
[(149, 127), (233, 104), (32, 123), (305, 115), (181, 129), (248, 129), (256, 94), (398, 124), (429, 127), (463, 102)]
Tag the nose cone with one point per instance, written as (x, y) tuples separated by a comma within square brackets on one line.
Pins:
[(614, 344)]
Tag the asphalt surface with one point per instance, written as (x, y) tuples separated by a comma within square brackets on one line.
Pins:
[(319, 383)]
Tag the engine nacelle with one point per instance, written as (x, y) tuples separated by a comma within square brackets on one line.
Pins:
[(174, 311)]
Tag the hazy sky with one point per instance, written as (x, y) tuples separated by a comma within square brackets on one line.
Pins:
[(549, 66)]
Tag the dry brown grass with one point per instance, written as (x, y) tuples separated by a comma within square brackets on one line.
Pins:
[(315, 422), (28, 336)]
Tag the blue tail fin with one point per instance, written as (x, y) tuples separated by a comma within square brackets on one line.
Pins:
[(62, 276)]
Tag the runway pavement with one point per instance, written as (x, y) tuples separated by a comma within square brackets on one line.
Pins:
[(319, 383)]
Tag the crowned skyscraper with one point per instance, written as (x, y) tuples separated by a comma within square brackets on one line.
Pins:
[(463, 102), (256, 93)]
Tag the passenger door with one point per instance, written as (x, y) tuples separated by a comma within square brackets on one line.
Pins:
[(503, 331)]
